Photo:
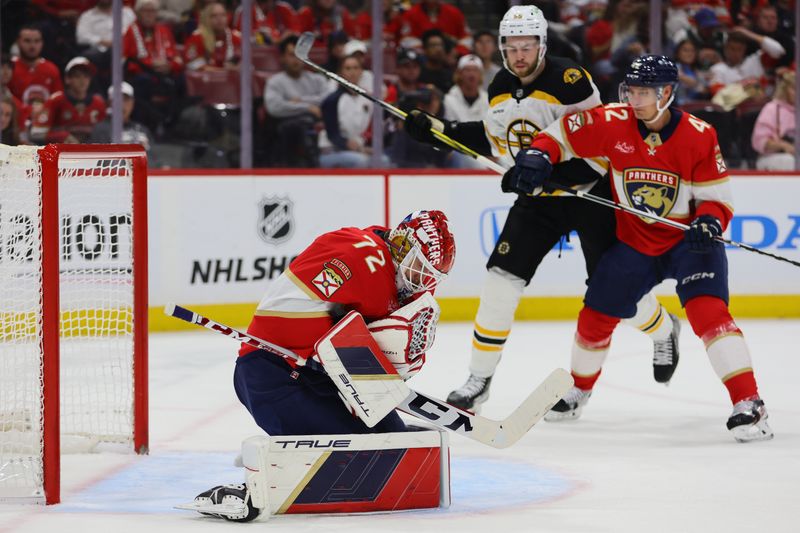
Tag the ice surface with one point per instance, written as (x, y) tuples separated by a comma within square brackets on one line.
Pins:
[(643, 458)]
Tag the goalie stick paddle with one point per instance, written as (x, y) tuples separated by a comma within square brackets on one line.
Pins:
[(304, 45), (495, 433)]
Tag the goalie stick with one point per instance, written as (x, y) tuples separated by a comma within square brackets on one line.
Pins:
[(495, 433), (302, 49)]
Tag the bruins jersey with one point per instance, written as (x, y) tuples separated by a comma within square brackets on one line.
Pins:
[(517, 113)]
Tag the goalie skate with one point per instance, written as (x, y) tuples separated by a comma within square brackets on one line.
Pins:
[(231, 502), (570, 406), (471, 394), (748, 422), (665, 354)]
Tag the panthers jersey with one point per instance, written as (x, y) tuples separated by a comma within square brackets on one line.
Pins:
[(347, 269), (517, 113), (676, 173)]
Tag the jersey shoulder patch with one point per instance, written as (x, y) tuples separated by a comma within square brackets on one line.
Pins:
[(565, 80)]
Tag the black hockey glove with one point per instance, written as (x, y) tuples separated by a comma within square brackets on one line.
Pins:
[(531, 170), (701, 233), (418, 125)]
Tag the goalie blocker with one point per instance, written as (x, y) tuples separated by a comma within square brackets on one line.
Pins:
[(335, 474)]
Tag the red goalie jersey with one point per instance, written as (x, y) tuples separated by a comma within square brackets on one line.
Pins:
[(344, 270), (677, 173)]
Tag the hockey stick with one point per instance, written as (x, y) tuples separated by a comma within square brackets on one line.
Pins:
[(303, 46), (633, 211), (495, 433), (307, 40), (371, 397)]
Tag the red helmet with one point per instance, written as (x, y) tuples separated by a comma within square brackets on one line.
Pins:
[(423, 249)]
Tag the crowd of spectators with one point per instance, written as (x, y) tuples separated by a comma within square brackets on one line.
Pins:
[(182, 61)]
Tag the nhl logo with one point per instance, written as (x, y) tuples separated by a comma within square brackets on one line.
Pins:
[(275, 220)]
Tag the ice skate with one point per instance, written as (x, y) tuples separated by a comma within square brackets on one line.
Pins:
[(471, 394), (748, 422), (665, 354), (570, 406), (231, 502)]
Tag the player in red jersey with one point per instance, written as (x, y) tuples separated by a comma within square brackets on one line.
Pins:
[(374, 271), (30, 69), (70, 116), (667, 163)]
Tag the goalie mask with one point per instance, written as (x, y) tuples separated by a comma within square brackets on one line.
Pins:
[(523, 21), (423, 250)]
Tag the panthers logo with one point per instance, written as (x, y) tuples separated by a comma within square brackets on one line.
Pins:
[(651, 191), (520, 134)]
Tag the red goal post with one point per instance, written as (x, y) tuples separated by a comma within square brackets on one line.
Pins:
[(73, 310)]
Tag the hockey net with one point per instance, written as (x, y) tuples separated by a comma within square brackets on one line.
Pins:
[(73, 305)]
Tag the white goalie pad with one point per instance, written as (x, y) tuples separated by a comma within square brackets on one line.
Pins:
[(348, 473), (407, 334)]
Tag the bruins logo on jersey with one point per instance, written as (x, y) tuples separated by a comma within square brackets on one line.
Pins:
[(520, 134), (652, 191), (571, 75)]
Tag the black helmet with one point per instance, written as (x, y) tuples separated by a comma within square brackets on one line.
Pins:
[(652, 71)]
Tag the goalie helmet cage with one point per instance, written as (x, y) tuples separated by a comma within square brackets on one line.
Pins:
[(73, 310)]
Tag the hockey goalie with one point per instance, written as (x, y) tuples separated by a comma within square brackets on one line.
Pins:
[(365, 296)]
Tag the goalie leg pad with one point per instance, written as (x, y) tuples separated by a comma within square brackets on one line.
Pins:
[(348, 473)]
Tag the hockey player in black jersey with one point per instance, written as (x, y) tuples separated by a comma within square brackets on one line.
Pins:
[(524, 98)]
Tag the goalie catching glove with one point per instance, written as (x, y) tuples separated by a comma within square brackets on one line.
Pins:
[(405, 335)]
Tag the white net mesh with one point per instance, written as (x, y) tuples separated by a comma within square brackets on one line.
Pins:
[(96, 321)]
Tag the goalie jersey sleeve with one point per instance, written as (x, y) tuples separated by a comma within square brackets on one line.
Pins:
[(344, 270), (677, 173)]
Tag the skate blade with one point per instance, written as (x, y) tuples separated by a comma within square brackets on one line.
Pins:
[(212, 508), (555, 416), (753, 433)]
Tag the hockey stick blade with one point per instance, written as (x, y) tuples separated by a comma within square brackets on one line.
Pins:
[(303, 46), (495, 433)]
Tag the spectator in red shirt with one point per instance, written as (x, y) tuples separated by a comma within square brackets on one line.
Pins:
[(271, 21), (433, 14), (153, 66), (213, 45), (323, 17), (30, 69), (69, 116), (392, 24), (149, 47)]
